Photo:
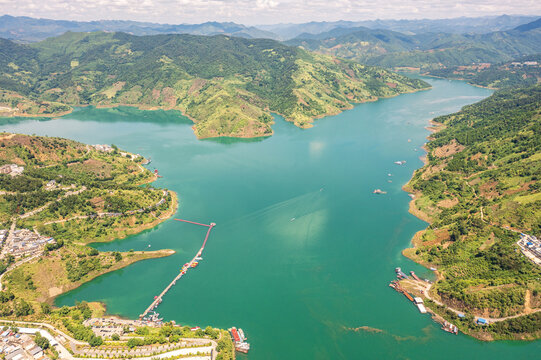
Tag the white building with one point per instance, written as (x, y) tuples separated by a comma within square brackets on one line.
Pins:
[(11, 169)]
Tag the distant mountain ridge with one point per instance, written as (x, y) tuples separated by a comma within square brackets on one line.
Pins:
[(529, 26), (394, 49), (461, 25), (27, 29)]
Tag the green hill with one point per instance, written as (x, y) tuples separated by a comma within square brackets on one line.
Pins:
[(479, 189), (228, 86)]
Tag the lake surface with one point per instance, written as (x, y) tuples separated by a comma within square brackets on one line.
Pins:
[(303, 251)]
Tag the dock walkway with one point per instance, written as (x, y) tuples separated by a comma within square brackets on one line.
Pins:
[(159, 298)]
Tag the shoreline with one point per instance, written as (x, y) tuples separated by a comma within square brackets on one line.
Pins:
[(144, 255), (467, 81), (144, 107), (409, 252)]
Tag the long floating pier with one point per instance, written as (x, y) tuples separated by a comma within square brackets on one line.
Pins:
[(158, 299)]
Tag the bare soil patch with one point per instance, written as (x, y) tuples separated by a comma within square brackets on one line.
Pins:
[(447, 150)]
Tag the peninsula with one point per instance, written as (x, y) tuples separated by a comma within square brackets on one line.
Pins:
[(228, 86)]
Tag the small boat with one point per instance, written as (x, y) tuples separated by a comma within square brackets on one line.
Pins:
[(292, 219), (242, 347), (401, 162), (450, 328), (198, 258), (379, 191), (148, 245), (241, 334)]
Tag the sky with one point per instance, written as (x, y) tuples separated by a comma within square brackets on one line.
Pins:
[(253, 12)]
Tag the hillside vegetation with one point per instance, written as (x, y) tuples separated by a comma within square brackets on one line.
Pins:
[(480, 187), (424, 50), (226, 85), (525, 71), (77, 195)]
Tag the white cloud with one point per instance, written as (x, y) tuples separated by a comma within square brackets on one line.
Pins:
[(262, 11)]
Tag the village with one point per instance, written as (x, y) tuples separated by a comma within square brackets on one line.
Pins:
[(29, 341), (20, 343), (23, 242)]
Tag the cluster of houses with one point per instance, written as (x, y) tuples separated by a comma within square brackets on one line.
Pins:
[(109, 148), (525, 63), (23, 242), (530, 247), (19, 346), (480, 66), (103, 147), (11, 169)]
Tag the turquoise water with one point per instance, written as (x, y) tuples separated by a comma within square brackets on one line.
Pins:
[(302, 250)]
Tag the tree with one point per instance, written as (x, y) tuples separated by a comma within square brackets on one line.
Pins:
[(214, 334), (115, 337), (142, 331), (95, 341), (166, 331), (41, 341), (45, 308), (133, 342), (22, 308)]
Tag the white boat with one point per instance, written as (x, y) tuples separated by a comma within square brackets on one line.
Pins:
[(241, 334)]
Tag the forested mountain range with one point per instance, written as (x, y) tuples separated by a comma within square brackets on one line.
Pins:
[(427, 50), (461, 25), (27, 29), (227, 85)]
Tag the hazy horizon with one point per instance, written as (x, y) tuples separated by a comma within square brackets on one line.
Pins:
[(263, 12)]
